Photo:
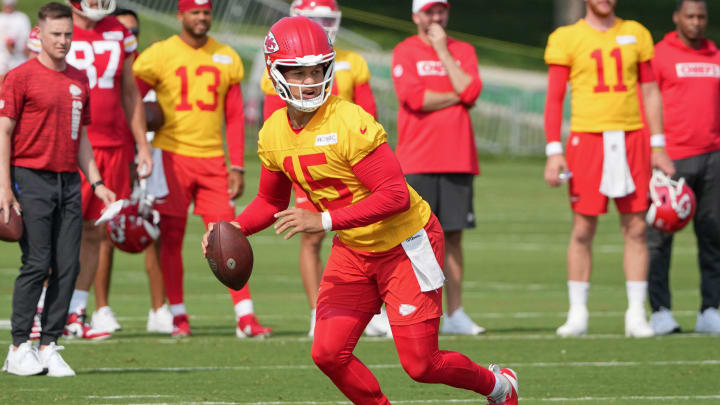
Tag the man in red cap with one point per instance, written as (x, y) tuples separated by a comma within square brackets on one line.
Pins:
[(197, 80), (437, 82)]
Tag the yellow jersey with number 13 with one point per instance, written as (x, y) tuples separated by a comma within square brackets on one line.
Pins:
[(603, 72), (320, 158), (191, 85)]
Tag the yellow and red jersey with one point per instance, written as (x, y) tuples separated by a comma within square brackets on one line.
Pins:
[(603, 72), (191, 86), (320, 159)]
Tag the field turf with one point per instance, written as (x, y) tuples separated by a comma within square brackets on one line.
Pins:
[(515, 287)]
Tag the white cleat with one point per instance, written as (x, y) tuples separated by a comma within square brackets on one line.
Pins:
[(53, 362), (663, 323), (576, 324), (379, 325), (507, 390), (23, 361), (459, 323), (636, 325), (103, 320), (160, 320), (708, 321)]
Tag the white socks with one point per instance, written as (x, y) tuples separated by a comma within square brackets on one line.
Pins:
[(578, 293), (636, 293), (244, 307), (178, 309), (78, 301)]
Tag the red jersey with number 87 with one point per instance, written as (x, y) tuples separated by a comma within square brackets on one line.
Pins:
[(100, 53), (603, 72), (191, 85)]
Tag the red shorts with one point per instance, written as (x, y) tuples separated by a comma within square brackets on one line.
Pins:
[(361, 281), (302, 200), (585, 161), (114, 164), (203, 181)]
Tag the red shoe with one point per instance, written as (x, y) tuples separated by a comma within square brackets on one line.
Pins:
[(509, 396), (181, 326), (75, 327), (249, 326)]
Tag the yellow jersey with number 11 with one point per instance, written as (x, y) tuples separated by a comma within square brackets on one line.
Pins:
[(603, 72), (191, 85), (320, 159)]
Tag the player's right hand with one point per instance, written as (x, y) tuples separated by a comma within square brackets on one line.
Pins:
[(555, 165), (437, 37), (211, 225), (8, 202), (105, 194)]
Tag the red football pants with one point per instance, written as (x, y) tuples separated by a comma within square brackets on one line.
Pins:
[(337, 332)]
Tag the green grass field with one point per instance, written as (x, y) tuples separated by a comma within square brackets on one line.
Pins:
[(515, 287)]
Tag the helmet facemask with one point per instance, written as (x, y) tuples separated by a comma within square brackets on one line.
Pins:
[(104, 8), (282, 87), (327, 18)]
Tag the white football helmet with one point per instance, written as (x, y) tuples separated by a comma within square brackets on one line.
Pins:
[(299, 41), (83, 7), (324, 12)]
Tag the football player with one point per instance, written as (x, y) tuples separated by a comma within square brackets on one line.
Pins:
[(197, 80), (388, 246), (352, 83), (609, 155)]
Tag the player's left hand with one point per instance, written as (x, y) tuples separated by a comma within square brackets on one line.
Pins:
[(660, 160), (298, 220), (105, 194), (236, 182), (437, 37), (144, 163)]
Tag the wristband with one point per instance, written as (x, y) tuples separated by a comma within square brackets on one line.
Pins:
[(553, 148), (97, 183), (238, 169), (657, 141), (326, 221)]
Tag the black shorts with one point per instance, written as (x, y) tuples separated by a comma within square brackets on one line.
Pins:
[(450, 196)]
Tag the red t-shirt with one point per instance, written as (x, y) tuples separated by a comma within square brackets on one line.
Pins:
[(439, 141), (101, 53), (50, 109), (689, 80)]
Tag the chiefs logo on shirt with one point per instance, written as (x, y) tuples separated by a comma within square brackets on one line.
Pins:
[(697, 70), (431, 68), (271, 45)]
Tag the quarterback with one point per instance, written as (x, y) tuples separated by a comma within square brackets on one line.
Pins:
[(352, 83), (388, 245), (609, 155), (197, 81)]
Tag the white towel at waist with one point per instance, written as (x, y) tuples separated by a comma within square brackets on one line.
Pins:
[(156, 183), (616, 177)]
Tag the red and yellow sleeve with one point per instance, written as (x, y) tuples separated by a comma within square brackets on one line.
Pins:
[(556, 50)]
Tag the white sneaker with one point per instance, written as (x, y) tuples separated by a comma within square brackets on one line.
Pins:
[(576, 324), (636, 325), (23, 361), (53, 362), (160, 320), (311, 333), (459, 323), (708, 321), (103, 320), (663, 323), (379, 325)]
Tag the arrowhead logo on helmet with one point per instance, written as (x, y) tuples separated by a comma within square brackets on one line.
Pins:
[(672, 203), (271, 45)]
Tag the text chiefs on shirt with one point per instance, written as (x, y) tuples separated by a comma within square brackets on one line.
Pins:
[(697, 70)]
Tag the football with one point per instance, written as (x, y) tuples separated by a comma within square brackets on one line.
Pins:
[(229, 255), (12, 231), (154, 116)]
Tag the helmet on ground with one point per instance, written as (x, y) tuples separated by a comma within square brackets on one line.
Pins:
[(672, 203), (294, 42)]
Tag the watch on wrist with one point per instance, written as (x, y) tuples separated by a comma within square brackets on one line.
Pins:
[(97, 183)]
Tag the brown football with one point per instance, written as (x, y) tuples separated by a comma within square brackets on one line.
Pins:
[(154, 116), (11, 232), (229, 255)]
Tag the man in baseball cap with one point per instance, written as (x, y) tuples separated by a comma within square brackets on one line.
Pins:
[(186, 5)]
